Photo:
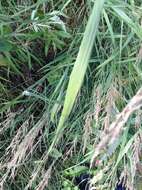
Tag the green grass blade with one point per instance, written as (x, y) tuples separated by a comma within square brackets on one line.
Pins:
[(80, 66), (134, 26), (109, 27)]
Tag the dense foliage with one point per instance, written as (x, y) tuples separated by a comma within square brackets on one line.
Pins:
[(70, 94)]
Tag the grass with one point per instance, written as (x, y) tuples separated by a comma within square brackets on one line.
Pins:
[(70, 73)]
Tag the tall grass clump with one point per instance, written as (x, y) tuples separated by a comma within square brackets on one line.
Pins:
[(70, 94)]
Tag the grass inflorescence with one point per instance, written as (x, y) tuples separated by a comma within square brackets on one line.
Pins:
[(70, 94)]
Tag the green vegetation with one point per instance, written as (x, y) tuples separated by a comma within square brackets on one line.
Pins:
[(70, 74)]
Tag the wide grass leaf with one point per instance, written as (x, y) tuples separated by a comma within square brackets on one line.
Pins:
[(80, 66)]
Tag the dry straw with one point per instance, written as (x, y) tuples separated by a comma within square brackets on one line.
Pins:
[(116, 127)]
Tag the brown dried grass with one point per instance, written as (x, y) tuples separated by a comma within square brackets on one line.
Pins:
[(116, 127)]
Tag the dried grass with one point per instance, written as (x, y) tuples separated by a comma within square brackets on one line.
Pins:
[(112, 96), (98, 104), (20, 147), (45, 180), (8, 121), (87, 130), (116, 127)]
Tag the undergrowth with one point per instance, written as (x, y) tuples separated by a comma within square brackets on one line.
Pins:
[(70, 93)]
